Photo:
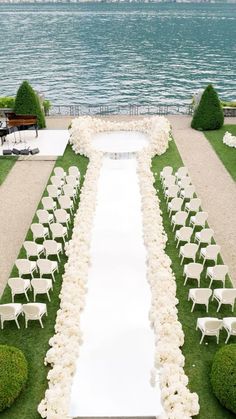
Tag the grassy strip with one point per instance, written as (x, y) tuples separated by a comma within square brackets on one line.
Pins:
[(6, 163), (226, 154), (34, 340), (198, 358)]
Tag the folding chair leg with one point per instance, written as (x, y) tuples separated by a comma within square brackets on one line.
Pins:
[(18, 326), (202, 338), (192, 307), (228, 336), (40, 321)]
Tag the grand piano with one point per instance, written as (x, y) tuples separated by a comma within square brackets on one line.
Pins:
[(16, 122)]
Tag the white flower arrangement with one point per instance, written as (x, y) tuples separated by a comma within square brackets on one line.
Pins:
[(177, 400), (229, 139)]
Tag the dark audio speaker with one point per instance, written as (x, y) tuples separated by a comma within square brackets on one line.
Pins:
[(25, 152), (34, 151), (15, 151), (7, 152)]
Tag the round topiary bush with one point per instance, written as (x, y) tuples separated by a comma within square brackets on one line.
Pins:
[(209, 113), (13, 374), (27, 102), (223, 376)]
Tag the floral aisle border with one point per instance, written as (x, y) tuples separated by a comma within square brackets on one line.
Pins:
[(229, 139), (177, 400)]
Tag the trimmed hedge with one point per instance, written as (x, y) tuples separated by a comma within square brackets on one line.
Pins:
[(7, 102), (209, 113), (27, 102), (223, 376), (13, 374)]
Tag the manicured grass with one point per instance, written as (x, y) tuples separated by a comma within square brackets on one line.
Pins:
[(6, 163), (34, 340), (226, 154), (198, 358)]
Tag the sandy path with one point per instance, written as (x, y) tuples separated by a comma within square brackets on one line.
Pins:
[(19, 197), (214, 185)]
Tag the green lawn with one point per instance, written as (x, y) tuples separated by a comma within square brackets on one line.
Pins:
[(34, 340), (198, 357), (226, 154), (6, 163)]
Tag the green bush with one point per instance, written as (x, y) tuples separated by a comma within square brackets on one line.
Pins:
[(27, 102), (7, 102), (46, 106), (228, 104), (223, 376), (209, 113), (13, 374)]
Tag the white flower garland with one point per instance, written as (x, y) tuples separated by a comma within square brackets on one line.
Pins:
[(177, 400), (229, 139)]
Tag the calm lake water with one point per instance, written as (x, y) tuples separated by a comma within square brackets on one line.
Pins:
[(118, 53)]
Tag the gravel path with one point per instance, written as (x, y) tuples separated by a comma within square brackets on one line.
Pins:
[(214, 185), (19, 197)]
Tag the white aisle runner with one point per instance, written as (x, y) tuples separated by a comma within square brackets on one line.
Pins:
[(116, 358)]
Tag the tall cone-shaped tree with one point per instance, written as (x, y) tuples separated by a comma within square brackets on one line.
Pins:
[(27, 102), (209, 113)]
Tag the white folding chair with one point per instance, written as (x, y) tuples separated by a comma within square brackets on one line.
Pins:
[(175, 205), (193, 271), (193, 205), (62, 217), (179, 219), (41, 286), (47, 267), (39, 231), (210, 252), (33, 249), (57, 181), (169, 181), (204, 236), (183, 235), (59, 171), (229, 324), (181, 172), (70, 191), (217, 273), (188, 251), (74, 171), (209, 326), (224, 296), (171, 192), (187, 192), (19, 286), (52, 248), (48, 203), (58, 231), (53, 191), (34, 311), (44, 216), (199, 296), (73, 181), (166, 171), (199, 219), (66, 203), (184, 182), (9, 312), (26, 267)]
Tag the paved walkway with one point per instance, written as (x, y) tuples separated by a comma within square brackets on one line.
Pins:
[(214, 185), (19, 197)]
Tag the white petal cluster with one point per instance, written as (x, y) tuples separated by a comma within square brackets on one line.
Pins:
[(84, 127), (229, 139), (178, 402), (65, 344)]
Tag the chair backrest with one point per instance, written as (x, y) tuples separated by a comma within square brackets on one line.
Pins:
[(181, 172), (220, 271), (61, 215), (185, 181), (56, 181), (32, 310), (206, 234), (16, 284), (50, 246), (43, 215), (194, 204), (203, 294), (23, 265), (228, 294), (59, 171), (7, 310), (189, 191), (31, 248), (213, 326), (184, 233), (180, 217), (37, 229), (44, 265), (166, 171), (176, 204), (48, 202), (57, 229), (201, 217), (212, 251), (41, 284), (71, 180), (190, 249), (168, 181), (74, 171), (173, 190), (52, 190), (194, 269), (68, 190), (65, 201)]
